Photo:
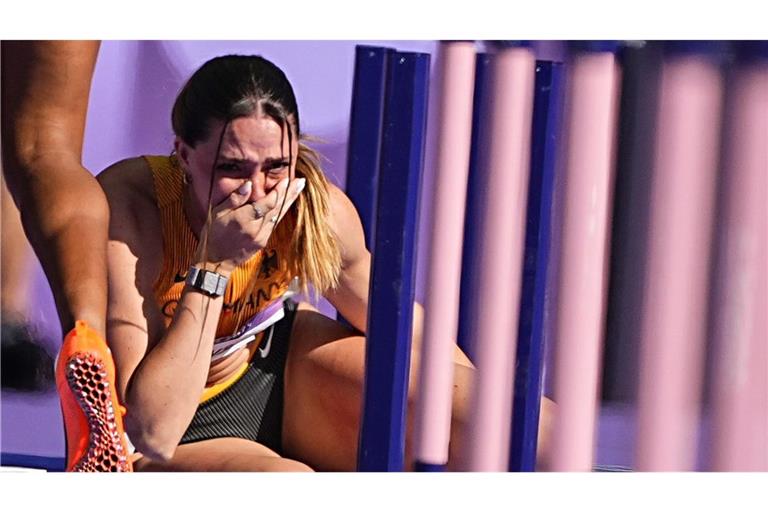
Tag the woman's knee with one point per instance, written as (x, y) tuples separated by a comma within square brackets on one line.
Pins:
[(283, 465)]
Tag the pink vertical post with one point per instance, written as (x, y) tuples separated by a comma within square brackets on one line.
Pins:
[(501, 249), (590, 132), (456, 81), (740, 396), (674, 315)]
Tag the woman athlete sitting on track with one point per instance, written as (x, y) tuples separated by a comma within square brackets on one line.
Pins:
[(218, 367)]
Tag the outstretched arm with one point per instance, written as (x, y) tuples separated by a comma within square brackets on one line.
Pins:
[(45, 89)]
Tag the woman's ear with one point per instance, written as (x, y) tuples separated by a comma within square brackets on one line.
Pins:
[(182, 152)]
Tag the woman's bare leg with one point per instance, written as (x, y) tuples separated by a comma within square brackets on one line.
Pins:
[(17, 258), (323, 390), (45, 92), (44, 100), (223, 454), (26, 365)]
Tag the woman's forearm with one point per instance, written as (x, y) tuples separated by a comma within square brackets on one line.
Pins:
[(165, 389)]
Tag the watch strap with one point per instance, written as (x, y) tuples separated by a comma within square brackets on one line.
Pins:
[(210, 283)]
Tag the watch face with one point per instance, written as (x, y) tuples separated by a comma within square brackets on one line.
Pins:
[(210, 283)]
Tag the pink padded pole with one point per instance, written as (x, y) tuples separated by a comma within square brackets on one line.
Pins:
[(456, 82), (675, 303), (590, 132), (740, 397), (501, 249)]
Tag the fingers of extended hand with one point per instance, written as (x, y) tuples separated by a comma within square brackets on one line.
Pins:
[(275, 204), (286, 200), (249, 226), (275, 197), (258, 211)]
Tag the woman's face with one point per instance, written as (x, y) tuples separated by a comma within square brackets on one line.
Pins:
[(253, 148)]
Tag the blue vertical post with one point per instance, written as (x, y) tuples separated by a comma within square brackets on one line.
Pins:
[(469, 256), (365, 133), (390, 304), (530, 345)]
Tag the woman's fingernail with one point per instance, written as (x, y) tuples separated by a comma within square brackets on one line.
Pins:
[(245, 188), (301, 184), (284, 184)]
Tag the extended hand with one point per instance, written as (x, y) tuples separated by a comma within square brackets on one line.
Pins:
[(239, 228)]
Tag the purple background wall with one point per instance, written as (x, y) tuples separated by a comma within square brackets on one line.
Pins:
[(134, 85)]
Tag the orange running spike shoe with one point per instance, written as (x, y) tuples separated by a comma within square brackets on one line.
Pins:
[(85, 378)]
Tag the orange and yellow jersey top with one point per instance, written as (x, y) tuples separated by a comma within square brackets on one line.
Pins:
[(244, 316)]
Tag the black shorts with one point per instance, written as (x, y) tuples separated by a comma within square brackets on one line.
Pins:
[(252, 407)]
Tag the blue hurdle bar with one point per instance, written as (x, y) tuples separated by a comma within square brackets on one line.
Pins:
[(365, 133), (547, 109), (390, 308), (469, 256)]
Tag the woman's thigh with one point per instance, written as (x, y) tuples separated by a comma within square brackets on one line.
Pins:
[(323, 389), (222, 454)]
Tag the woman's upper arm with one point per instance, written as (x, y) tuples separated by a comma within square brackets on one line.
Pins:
[(133, 318), (351, 296)]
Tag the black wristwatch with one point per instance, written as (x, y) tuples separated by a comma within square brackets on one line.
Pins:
[(210, 283)]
